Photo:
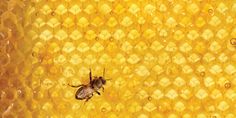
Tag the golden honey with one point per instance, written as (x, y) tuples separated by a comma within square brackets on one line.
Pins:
[(165, 58)]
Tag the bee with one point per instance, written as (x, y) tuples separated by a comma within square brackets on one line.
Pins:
[(86, 91)]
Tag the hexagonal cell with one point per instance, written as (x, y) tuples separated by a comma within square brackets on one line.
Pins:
[(9, 94), (5, 59)]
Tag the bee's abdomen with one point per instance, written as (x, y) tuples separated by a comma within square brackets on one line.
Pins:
[(79, 97), (83, 92)]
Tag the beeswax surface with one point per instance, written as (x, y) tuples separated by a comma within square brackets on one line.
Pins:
[(164, 58)]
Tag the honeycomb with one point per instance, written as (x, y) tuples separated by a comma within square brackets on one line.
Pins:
[(165, 58)]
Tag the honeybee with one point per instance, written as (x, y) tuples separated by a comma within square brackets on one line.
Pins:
[(86, 90)]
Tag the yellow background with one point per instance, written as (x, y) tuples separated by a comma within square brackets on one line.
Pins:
[(165, 58)]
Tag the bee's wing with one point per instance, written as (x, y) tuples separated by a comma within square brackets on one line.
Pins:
[(81, 92)]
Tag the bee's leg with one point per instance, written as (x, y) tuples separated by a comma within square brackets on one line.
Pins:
[(98, 93), (76, 86), (102, 89), (87, 99)]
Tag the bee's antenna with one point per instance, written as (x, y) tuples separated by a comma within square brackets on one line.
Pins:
[(104, 73), (108, 79)]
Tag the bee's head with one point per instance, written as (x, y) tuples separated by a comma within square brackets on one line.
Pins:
[(102, 80)]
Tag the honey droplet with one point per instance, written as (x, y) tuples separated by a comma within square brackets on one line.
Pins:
[(53, 13), (233, 41), (34, 54), (227, 85), (103, 109), (202, 74), (211, 11), (149, 98)]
